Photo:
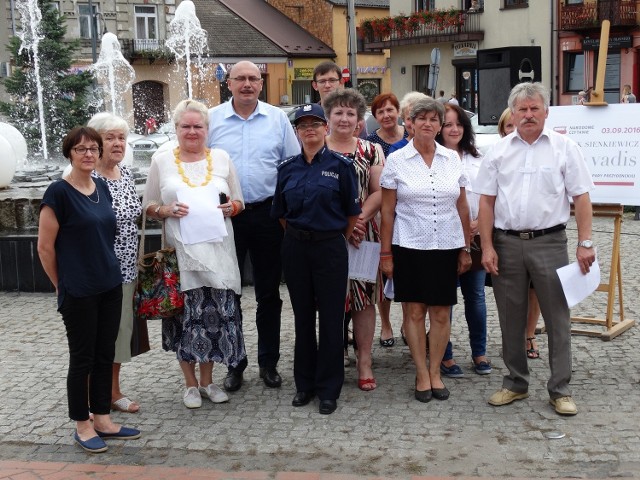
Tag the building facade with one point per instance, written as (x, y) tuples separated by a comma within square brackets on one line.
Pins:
[(579, 43), (424, 33), (327, 20)]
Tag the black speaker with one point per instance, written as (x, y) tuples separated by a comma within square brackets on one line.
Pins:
[(499, 70)]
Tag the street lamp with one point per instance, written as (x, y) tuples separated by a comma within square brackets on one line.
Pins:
[(94, 34)]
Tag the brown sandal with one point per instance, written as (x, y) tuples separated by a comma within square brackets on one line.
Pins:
[(532, 352)]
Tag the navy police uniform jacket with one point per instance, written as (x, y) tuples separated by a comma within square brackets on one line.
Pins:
[(316, 196)]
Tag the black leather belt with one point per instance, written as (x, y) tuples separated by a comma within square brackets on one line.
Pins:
[(310, 236), (261, 203), (528, 235)]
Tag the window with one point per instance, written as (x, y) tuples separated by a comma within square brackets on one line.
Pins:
[(611, 77), (473, 5), (574, 72), (515, 3), (146, 22), (421, 79), (360, 44), (425, 5), (85, 19), (574, 2), (55, 6)]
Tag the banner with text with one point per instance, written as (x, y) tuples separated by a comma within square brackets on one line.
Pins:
[(610, 140)]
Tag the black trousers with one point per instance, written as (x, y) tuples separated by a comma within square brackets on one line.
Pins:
[(92, 328), (259, 235), (316, 275)]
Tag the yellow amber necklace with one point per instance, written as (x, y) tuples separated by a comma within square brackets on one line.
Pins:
[(185, 179)]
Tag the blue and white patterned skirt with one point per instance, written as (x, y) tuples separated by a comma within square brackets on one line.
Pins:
[(209, 329)]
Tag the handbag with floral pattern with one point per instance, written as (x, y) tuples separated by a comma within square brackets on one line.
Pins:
[(158, 292)]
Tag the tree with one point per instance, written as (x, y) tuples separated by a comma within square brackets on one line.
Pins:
[(66, 93)]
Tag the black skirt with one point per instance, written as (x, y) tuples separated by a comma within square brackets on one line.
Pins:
[(425, 276)]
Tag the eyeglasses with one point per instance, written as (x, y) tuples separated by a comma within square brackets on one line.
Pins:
[(83, 150), (330, 81), (252, 80), (306, 126)]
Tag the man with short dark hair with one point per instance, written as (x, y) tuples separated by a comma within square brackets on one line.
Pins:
[(525, 181), (327, 78)]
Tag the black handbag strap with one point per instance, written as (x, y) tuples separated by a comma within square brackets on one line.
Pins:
[(142, 235)]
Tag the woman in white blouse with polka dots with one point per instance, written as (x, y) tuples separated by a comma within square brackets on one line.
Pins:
[(425, 236)]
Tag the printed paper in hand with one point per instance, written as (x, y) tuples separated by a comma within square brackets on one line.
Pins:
[(576, 285), (205, 222), (363, 261)]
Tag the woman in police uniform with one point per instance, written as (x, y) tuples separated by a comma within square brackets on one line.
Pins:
[(316, 200)]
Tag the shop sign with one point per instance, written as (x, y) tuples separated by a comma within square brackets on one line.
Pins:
[(261, 66), (370, 89), (372, 69), (465, 49), (303, 73), (614, 43)]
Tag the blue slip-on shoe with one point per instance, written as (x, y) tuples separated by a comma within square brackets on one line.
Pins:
[(125, 433), (454, 371), (482, 368), (93, 445)]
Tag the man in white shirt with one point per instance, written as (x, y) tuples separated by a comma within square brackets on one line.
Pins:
[(525, 181), (256, 136)]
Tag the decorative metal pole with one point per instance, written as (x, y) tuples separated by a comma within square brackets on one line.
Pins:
[(352, 44)]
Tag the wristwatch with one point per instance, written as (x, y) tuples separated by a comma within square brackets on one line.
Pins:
[(586, 244), (466, 249)]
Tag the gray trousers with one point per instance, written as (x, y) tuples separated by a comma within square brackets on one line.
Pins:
[(536, 260)]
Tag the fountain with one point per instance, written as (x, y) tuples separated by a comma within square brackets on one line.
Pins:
[(114, 72), (186, 38), (20, 201), (30, 37)]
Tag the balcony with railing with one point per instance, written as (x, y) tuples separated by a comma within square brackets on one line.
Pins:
[(151, 49), (591, 14), (421, 27)]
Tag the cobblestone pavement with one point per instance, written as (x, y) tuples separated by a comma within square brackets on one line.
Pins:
[(381, 434)]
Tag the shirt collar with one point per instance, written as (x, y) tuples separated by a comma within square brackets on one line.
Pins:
[(411, 150), (317, 158), (544, 133), (230, 112)]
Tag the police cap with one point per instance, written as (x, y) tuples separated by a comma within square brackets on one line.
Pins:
[(310, 110)]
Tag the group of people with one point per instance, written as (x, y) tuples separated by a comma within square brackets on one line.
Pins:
[(442, 214)]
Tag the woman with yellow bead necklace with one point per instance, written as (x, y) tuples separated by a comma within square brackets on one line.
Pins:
[(209, 330)]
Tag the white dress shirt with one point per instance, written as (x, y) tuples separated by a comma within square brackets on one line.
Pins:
[(426, 212), (532, 183)]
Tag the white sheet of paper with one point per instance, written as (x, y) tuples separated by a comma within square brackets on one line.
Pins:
[(205, 222), (363, 261), (388, 288), (575, 284)]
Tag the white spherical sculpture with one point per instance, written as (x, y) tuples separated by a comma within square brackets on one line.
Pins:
[(14, 152)]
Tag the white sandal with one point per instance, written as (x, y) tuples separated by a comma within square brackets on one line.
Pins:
[(124, 404)]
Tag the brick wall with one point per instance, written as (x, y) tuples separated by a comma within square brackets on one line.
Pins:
[(312, 15)]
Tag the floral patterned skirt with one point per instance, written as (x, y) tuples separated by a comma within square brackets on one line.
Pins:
[(209, 329)]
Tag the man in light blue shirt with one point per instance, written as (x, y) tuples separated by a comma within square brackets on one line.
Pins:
[(256, 136)]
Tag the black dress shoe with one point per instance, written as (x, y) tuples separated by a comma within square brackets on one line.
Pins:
[(302, 398), (327, 406), (271, 377), (233, 381), (440, 393), (423, 396)]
